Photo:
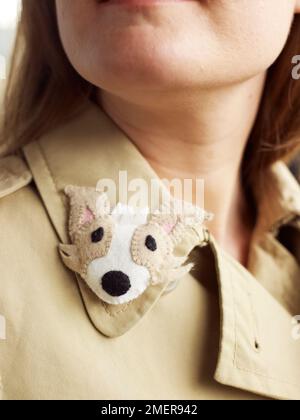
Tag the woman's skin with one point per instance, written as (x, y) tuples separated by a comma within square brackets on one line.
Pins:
[(184, 80)]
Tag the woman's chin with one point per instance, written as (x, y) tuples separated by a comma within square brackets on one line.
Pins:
[(138, 72)]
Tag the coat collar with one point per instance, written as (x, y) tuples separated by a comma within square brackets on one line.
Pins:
[(91, 147), (85, 150)]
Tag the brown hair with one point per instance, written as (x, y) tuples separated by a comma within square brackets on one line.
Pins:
[(42, 85)]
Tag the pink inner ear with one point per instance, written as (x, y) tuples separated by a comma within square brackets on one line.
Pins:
[(87, 216), (168, 227)]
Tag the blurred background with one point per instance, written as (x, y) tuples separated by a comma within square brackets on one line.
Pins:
[(9, 12)]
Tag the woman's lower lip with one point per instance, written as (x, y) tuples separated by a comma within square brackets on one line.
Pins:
[(139, 2)]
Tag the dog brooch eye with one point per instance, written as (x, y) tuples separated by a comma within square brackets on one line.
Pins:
[(97, 235), (150, 243)]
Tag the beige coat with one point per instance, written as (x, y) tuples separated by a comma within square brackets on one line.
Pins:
[(223, 333)]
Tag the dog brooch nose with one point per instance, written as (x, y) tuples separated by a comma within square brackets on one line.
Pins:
[(115, 283)]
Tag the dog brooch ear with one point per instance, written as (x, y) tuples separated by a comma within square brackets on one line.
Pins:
[(178, 216), (86, 204)]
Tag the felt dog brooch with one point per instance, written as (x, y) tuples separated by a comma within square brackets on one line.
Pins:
[(119, 252)]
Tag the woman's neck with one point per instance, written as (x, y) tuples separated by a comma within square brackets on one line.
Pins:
[(198, 136)]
